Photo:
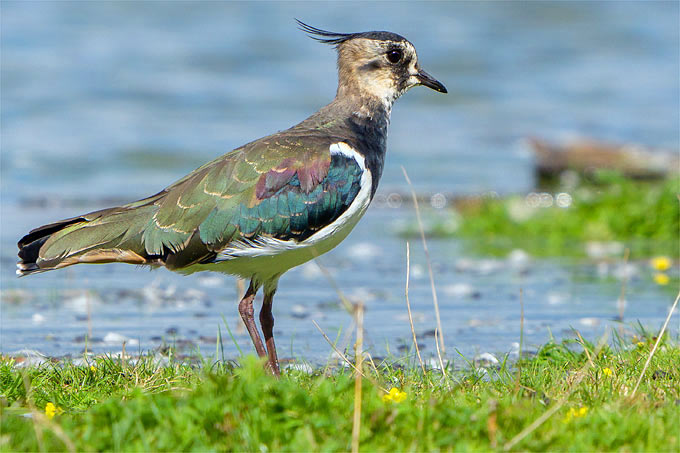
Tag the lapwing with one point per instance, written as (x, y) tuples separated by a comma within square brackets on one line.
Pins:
[(265, 207)]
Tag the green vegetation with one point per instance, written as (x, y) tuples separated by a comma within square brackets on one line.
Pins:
[(112, 405), (644, 216)]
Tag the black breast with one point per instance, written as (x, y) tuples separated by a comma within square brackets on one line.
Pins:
[(369, 138)]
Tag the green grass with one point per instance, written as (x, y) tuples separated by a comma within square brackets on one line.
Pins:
[(146, 407), (643, 215)]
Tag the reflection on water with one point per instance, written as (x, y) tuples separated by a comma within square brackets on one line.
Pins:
[(116, 100)]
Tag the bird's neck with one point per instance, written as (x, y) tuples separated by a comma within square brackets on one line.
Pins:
[(366, 99)]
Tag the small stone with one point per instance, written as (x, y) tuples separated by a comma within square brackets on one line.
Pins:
[(625, 271), (311, 271), (460, 290), (364, 250), (589, 322), (518, 259), (301, 367), (485, 359), (554, 298), (113, 337), (599, 250), (210, 281), (299, 311), (37, 318)]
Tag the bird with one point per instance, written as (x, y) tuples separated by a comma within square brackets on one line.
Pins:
[(265, 207)]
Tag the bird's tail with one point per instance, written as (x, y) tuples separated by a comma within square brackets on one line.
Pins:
[(106, 236)]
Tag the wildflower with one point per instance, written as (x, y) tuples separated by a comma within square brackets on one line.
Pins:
[(661, 279), (575, 413), (640, 344), (93, 368), (660, 263), (607, 372), (394, 396), (50, 410)]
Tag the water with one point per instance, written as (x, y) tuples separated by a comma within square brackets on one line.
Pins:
[(104, 103)]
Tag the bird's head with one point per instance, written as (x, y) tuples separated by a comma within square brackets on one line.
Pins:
[(375, 64)]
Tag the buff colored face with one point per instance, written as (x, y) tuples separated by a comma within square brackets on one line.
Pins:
[(386, 69)]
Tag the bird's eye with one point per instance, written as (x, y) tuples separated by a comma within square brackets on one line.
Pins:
[(394, 56)]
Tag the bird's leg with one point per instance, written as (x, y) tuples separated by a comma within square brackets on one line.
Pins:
[(267, 323), (245, 308)]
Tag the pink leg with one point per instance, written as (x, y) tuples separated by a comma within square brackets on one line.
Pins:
[(267, 323), (245, 308)]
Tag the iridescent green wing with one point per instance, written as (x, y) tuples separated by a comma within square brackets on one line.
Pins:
[(279, 187)]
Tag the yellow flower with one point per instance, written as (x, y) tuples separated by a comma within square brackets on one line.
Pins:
[(640, 344), (607, 372), (50, 410), (575, 413), (661, 263), (394, 396), (661, 279), (92, 368)]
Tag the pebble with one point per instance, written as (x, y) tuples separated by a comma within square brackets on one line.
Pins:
[(299, 311), (364, 251), (80, 302), (433, 363), (311, 271), (480, 267), (116, 338), (625, 271), (460, 290), (602, 269), (195, 295), (210, 281), (37, 318), (554, 298), (361, 294), (417, 271), (519, 259), (589, 322), (485, 359), (599, 250), (302, 367)]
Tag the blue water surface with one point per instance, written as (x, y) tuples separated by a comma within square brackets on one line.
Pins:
[(108, 102)]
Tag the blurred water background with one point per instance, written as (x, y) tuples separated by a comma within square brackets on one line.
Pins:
[(107, 102)]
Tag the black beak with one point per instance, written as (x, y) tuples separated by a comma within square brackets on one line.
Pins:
[(430, 82)]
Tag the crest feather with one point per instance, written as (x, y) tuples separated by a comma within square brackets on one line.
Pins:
[(324, 36)]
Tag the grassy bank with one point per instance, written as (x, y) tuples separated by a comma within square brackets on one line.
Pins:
[(643, 216), (113, 405)]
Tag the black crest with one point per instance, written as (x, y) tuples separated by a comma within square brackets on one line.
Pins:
[(326, 37), (335, 39)]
